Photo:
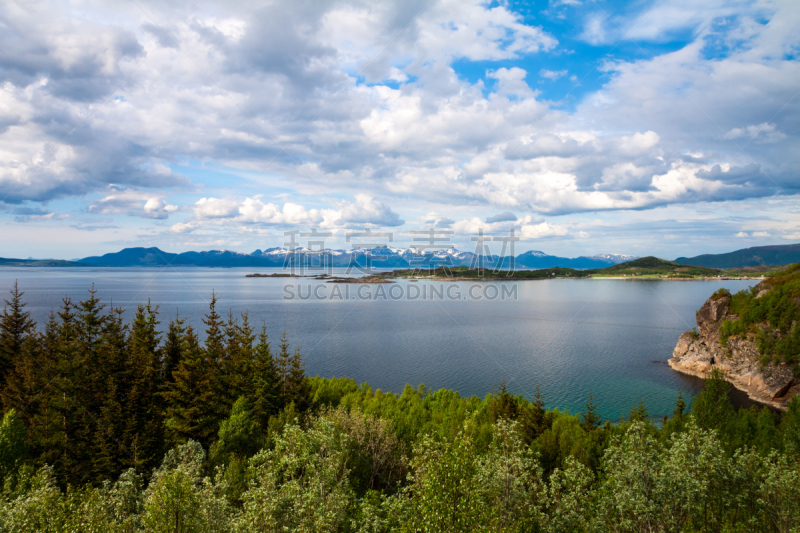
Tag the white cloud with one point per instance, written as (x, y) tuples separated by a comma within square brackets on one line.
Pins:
[(366, 211), (133, 203), (158, 208), (764, 132), (552, 74), (543, 229)]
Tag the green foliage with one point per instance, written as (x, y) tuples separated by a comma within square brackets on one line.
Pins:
[(114, 438), (239, 435), (12, 443), (301, 485), (180, 499)]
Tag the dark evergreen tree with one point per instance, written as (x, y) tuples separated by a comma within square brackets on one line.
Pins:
[(221, 399), (680, 407), (504, 405), (590, 418), (239, 353), (172, 351), (15, 326), (264, 389), (42, 407), (299, 390), (188, 399), (108, 446), (284, 365), (142, 435), (639, 412), (534, 419), (69, 440)]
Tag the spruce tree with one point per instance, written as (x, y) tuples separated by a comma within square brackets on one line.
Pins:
[(503, 404), (188, 399), (264, 388), (43, 416), (15, 326), (84, 388), (70, 438), (25, 380), (680, 407), (590, 418), (284, 366), (639, 412), (172, 351), (142, 435), (220, 399), (108, 447), (300, 391), (534, 418), (239, 350)]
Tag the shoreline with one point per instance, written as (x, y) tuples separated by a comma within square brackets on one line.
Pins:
[(778, 406)]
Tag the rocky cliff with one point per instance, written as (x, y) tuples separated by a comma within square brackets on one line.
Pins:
[(699, 353)]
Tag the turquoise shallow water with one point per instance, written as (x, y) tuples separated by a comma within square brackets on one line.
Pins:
[(612, 337)]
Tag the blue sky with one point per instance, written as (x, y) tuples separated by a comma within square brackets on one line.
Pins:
[(667, 128)]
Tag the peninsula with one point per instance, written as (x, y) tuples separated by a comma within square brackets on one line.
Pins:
[(750, 337)]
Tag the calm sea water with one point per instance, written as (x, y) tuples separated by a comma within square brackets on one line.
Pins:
[(611, 337)]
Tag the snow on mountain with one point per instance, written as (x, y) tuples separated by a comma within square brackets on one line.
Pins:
[(617, 258)]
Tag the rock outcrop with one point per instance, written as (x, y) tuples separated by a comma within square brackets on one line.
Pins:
[(699, 353)]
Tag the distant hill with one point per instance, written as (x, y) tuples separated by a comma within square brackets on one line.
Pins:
[(760, 255), (653, 266)]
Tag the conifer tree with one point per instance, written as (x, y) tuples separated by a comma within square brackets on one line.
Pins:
[(534, 419), (220, 400), (188, 398), (108, 446), (590, 418), (15, 326), (264, 388), (42, 411), (680, 407), (284, 365), (639, 412), (25, 380), (68, 451), (239, 351), (84, 387), (20, 380), (298, 383), (142, 435), (173, 350), (503, 404)]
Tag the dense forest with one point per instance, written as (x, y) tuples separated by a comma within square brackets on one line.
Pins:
[(114, 426)]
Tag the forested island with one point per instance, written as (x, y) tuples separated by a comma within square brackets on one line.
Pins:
[(111, 426)]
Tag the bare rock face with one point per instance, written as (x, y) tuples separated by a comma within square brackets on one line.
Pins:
[(698, 354)]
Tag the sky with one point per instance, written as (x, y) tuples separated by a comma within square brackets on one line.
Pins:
[(665, 128)]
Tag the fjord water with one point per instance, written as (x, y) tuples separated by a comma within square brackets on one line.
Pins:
[(612, 337)]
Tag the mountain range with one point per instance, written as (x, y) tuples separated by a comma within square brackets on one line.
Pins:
[(389, 257), (757, 256), (381, 257)]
